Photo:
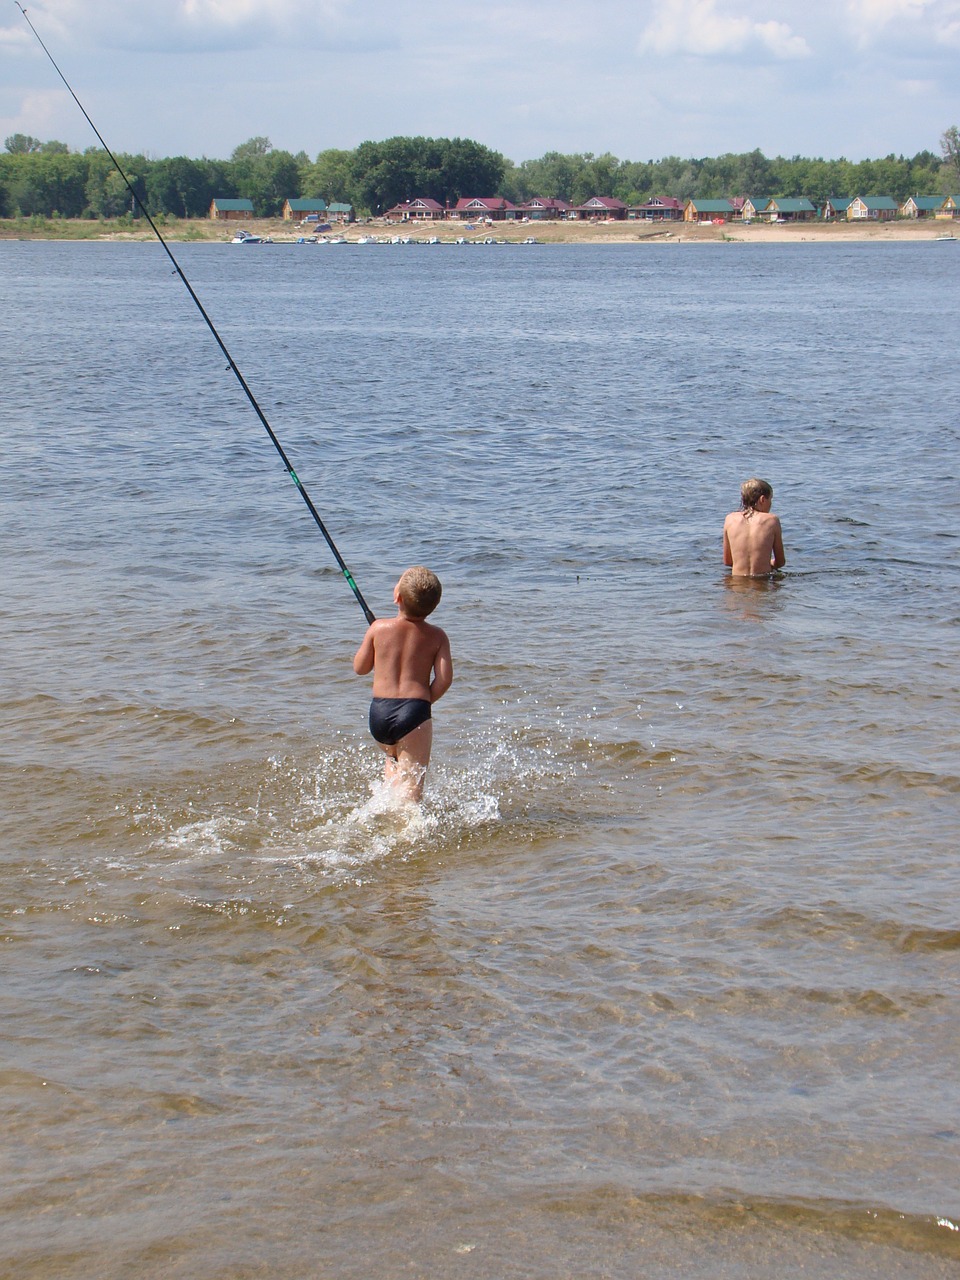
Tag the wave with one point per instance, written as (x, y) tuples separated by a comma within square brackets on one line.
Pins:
[(722, 1213)]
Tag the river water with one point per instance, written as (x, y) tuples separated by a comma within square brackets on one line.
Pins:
[(662, 981)]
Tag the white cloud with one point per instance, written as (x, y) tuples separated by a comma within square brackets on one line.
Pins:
[(195, 77), (696, 27), (873, 14), (934, 22), (780, 40), (14, 38), (200, 25)]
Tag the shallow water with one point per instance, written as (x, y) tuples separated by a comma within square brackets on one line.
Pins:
[(662, 980)]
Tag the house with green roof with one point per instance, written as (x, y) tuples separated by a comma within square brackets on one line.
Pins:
[(836, 207), (752, 207), (707, 210), (231, 209), (304, 207), (337, 212), (877, 208), (920, 206), (788, 209), (950, 207)]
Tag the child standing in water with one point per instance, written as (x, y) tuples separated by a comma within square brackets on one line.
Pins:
[(412, 669), (752, 537)]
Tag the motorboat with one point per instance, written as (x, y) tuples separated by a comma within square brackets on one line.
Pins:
[(247, 237)]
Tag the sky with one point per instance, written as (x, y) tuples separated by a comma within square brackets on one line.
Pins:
[(689, 78)]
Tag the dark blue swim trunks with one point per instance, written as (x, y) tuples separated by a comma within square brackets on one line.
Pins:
[(393, 718)]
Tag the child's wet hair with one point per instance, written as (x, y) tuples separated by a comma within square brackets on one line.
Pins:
[(751, 491), (420, 591)]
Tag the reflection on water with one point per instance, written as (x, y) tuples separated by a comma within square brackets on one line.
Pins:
[(753, 599), (661, 978)]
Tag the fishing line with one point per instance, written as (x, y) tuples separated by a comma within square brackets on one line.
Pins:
[(231, 364)]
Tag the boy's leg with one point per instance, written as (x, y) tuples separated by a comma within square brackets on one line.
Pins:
[(409, 767), (390, 765)]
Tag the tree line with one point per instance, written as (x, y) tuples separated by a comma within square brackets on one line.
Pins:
[(50, 180)]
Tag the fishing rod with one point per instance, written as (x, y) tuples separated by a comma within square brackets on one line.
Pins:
[(231, 364)]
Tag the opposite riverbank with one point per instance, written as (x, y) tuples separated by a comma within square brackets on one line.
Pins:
[(202, 229)]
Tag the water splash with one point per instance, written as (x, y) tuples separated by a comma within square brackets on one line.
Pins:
[(334, 815)]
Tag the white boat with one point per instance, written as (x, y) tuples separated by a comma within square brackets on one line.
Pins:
[(944, 239), (247, 237)]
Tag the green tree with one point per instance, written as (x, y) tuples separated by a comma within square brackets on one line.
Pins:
[(21, 144), (267, 181), (950, 149), (37, 183), (329, 177), (107, 194), (552, 176), (467, 168), (755, 176), (383, 174), (635, 182), (252, 149), (181, 187)]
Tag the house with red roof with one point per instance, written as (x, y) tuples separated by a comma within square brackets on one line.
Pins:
[(539, 207), (601, 207), (423, 209), (493, 207), (657, 209)]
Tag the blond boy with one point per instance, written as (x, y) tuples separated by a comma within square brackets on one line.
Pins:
[(752, 537), (412, 669)]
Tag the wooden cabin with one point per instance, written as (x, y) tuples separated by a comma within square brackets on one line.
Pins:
[(315, 209), (231, 210)]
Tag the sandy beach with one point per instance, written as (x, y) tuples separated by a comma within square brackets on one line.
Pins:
[(901, 230)]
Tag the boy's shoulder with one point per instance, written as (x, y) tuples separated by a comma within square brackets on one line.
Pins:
[(402, 622), (431, 629)]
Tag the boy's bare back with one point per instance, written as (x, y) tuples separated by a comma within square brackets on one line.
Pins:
[(408, 657), (752, 536)]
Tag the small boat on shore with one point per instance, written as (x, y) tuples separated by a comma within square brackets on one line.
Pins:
[(247, 237)]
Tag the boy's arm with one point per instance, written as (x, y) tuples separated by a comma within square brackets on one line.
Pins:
[(727, 553), (779, 559), (363, 658), (442, 671)]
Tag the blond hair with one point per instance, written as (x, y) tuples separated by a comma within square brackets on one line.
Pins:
[(419, 591), (751, 491)]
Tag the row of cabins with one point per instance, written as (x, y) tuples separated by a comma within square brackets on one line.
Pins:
[(856, 209), (300, 210), (669, 209), (659, 209)]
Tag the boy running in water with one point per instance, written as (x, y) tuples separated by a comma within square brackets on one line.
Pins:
[(412, 669)]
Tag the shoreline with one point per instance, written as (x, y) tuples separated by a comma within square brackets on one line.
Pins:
[(205, 231)]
